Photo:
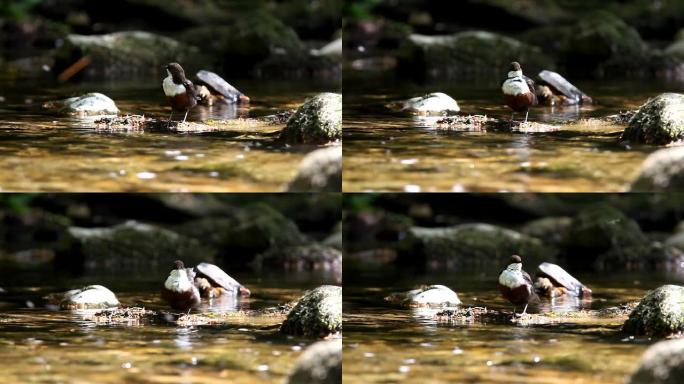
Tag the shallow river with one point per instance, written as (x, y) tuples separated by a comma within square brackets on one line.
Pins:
[(40, 151), (42, 345), (386, 344), (385, 151)]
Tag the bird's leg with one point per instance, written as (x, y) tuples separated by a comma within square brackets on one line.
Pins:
[(511, 126), (527, 113), (170, 116), (186, 115), (524, 310)]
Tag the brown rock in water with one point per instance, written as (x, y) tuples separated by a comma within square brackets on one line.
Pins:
[(556, 90), (559, 282)]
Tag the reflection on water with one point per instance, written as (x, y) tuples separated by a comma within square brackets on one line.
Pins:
[(384, 343), (386, 151), (41, 151), (43, 345)]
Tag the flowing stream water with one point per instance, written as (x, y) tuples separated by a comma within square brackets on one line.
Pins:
[(387, 344), (41, 151), (387, 151)]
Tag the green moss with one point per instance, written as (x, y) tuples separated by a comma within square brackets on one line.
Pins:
[(660, 313), (317, 314), (659, 121), (318, 120)]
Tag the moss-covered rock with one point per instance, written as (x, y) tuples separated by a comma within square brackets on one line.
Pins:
[(248, 232), (318, 120), (124, 54), (319, 171), (320, 363), (317, 314), (602, 229), (134, 245), (309, 257), (663, 170), (659, 314), (601, 43), (551, 230), (662, 363), (469, 53), (659, 121), (478, 245)]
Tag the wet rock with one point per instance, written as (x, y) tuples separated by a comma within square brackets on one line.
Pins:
[(335, 238), (218, 88), (136, 246), (558, 277), (320, 363), (659, 121), (603, 44), (318, 120), (259, 44), (601, 229), (90, 297), (333, 49), (319, 171), (562, 92), (436, 103), (90, 104), (426, 296), (663, 170), (477, 245), (551, 230), (468, 53), (482, 123), (248, 232), (123, 54), (662, 363), (317, 314), (659, 314), (310, 257)]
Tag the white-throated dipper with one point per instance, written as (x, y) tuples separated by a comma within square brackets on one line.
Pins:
[(516, 285), (179, 289), (518, 91), (179, 90)]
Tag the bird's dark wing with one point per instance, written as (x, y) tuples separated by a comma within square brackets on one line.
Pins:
[(192, 92), (530, 84), (526, 277)]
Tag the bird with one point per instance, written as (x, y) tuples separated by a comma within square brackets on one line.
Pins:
[(179, 289), (180, 91), (516, 285), (518, 91)]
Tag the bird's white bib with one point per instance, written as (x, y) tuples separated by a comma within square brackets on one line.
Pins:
[(515, 84), (178, 281), (512, 276), (170, 88)]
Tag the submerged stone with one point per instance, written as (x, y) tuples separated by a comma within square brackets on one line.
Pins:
[(659, 314), (663, 170), (90, 297), (426, 296), (320, 363), (317, 314), (662, 363), (659, 121), (319, 171), (318, 120)]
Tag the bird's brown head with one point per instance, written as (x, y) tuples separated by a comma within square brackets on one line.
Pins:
[(177, 72), (178, 264), (515, 66), (516, 259)]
